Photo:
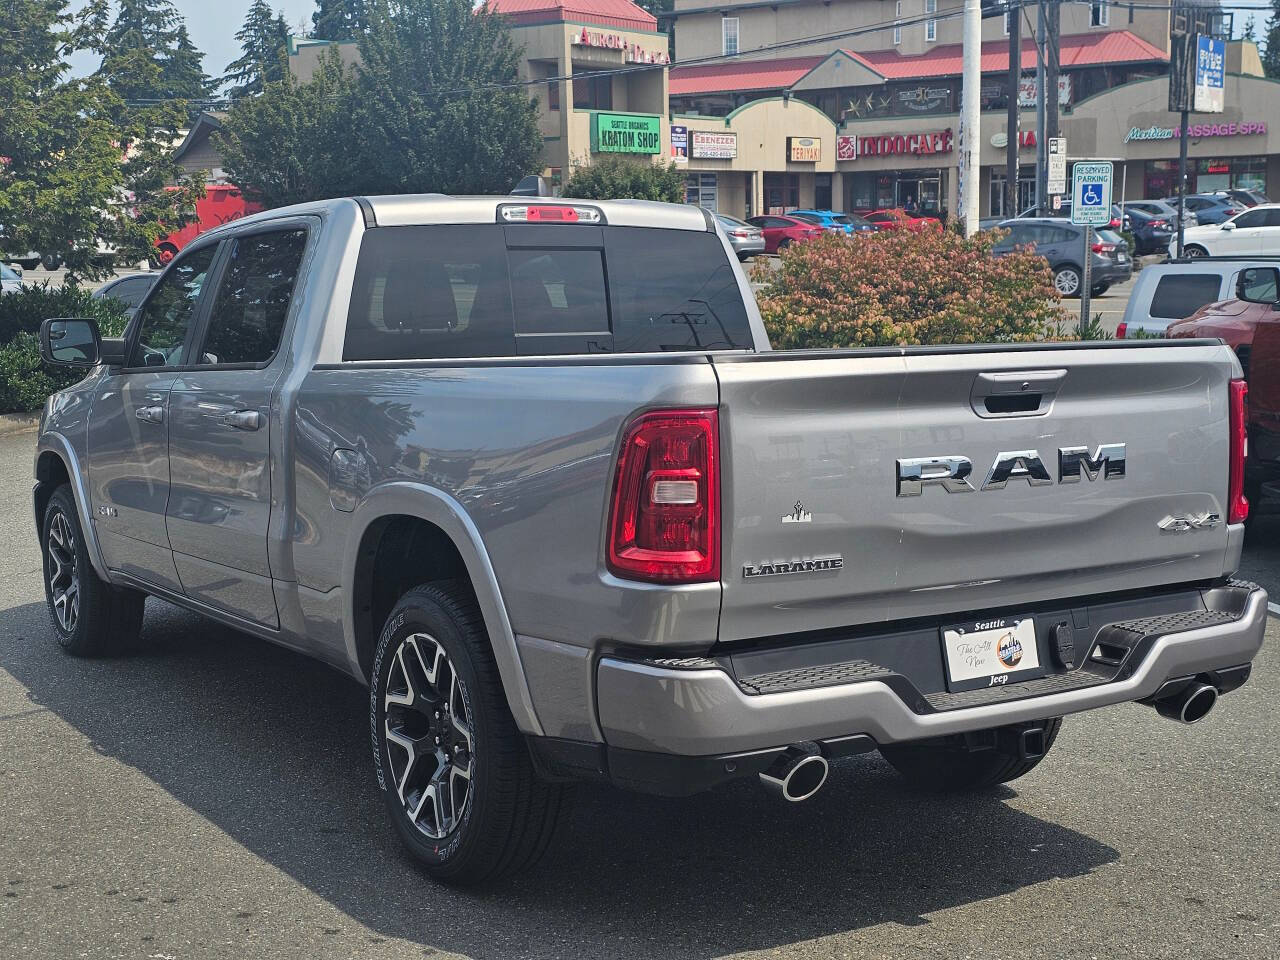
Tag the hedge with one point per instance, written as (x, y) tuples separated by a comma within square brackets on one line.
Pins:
[(900, 288), (25, 381)]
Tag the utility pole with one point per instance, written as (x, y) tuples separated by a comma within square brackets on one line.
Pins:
[(971, 117), (1011, 206), (1042, 134), (1053, 55)]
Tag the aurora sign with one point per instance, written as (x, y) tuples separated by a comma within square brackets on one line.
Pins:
[(1196, 131)]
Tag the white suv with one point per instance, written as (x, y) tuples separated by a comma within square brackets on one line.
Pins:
[(1251, 232)]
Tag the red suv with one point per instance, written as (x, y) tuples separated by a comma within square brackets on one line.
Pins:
[(781, 232), (1250, 325)]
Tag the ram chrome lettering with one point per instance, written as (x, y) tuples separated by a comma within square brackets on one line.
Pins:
[(952, 473)]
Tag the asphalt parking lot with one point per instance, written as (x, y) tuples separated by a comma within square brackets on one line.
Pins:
[(210, 796)]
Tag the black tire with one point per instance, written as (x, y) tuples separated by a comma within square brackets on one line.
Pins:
[(29, 264), (946, 766), (90, 617), (1194, 250), (1099, 290), (784, 243), (50, 261), (508, 815)]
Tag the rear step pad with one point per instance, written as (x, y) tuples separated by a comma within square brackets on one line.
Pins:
[(1126, 642)]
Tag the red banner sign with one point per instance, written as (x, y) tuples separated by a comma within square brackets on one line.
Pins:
[(889, 145)]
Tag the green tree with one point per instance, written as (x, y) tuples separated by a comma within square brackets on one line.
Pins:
[(136, 48), (82, 177), (1271, 43), (435, 105), (339, 19), (617, 178), (182, 74), (263, 38)]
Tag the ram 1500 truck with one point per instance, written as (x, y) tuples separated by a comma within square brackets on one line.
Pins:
[(529, 470)]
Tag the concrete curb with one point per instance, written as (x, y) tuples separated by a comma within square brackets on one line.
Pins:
[(14, 423)]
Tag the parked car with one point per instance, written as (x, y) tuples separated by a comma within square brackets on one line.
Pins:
[(1062, 243), (571, 568), (1161, 209), (782, 231), (10, 279), (1255, 231), (1249, 198), (1119, 221), (1151, 234), (746, 240), (1166, 292), (847, 223), (901, 220), (1209, 208), (1249, 323), (130, 290)]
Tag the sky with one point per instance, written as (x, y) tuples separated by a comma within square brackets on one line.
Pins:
[(213, 25)]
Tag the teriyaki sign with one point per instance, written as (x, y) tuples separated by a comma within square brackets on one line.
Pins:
[(1197, 131)]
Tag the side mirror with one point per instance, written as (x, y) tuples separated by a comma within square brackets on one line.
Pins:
[(1228, 225), (70, 342)]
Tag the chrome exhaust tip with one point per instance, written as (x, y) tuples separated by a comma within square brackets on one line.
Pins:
[(797, 774), (1189, 706)]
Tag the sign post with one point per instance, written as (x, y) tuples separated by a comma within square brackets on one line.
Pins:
[(1090, 207)]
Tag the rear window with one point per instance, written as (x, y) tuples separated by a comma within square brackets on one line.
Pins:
[(1180, 295), (489, 290)]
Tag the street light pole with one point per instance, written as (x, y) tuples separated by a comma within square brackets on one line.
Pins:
[(1182, 176), (1011, 148), (1042, 132), (971, 119)]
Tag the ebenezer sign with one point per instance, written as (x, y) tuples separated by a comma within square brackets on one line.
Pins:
[(626, 133), (708, 145)]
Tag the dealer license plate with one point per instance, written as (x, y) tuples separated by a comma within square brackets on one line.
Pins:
[(991, 653)]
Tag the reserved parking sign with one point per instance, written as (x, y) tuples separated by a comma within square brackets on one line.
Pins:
[(1091, 194)]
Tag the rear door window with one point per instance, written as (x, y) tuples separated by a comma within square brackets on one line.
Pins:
[(450, 291), (1179, 295)]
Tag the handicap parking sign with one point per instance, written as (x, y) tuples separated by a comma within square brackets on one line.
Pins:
[(1091, 194)]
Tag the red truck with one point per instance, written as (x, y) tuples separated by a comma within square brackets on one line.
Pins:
[(222, 203)]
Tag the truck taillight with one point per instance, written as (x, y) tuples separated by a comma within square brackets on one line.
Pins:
[(664, 520), (1237, 503), (1122, 330)]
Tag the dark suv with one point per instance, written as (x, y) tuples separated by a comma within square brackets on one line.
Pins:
[(1062, 243)]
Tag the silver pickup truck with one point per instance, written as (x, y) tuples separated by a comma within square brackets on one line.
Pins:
[(529, 470)]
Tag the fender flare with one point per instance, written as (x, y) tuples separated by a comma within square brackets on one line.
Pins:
[(60, 446), (437, 507)]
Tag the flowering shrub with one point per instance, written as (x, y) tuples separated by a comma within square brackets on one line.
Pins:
[(902, 288)]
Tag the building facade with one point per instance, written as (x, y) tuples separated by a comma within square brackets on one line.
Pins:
[(591, 105)]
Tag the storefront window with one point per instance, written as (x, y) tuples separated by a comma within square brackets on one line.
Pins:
[(1026, 191), (1205, 175), (822, 191), (781, 192)]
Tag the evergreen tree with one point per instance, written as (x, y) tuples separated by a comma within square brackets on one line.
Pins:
[(1271, 44), (72, 152), (182, 74), (136, 48), (340, 19), (263, 38)]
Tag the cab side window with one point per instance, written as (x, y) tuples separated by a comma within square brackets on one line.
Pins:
[(253, 298), (165, 319)]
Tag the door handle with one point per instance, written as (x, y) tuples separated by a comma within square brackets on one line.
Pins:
[(150, 414), (243, 419)]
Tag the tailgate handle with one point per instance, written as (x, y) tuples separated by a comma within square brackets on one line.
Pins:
[(1015, 393)]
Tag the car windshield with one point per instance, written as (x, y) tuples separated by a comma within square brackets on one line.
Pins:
[(1108, 236), (807, 217), (729, 221)]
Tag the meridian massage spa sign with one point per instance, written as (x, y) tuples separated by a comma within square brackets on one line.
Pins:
[(1196, 131)]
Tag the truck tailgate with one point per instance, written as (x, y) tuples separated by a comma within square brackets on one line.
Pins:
[(818, 532)]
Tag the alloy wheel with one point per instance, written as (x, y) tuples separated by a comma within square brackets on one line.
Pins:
[(1067, 282), (63, 572), (430, 748)]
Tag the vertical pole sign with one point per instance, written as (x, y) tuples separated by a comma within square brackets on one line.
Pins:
[(1090, 207), (1057, 183)]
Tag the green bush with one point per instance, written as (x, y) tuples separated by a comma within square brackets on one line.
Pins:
[(616, 178), (902, 288), (25, 381)]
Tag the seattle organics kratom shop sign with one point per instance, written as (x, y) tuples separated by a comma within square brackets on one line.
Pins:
[(626, 133)]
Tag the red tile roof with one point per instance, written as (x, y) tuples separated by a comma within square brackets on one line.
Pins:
[(741, 75), (1079, 50), (605, 13)]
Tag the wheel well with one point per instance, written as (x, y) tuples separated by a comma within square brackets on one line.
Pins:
[(52, 473), (397, 552)]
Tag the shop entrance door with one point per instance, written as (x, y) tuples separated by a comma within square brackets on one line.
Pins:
[(923, 193)]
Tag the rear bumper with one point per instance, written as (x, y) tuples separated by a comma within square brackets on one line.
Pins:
[(704, 710)]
